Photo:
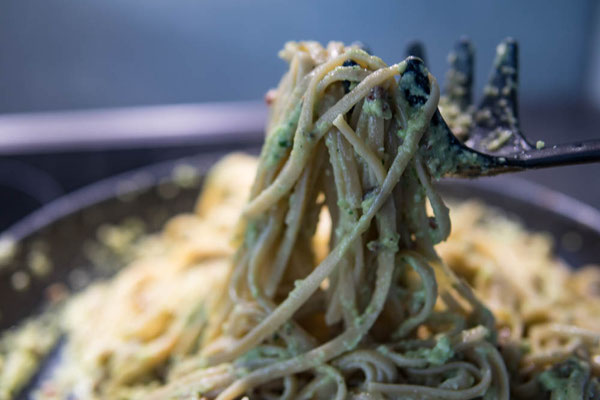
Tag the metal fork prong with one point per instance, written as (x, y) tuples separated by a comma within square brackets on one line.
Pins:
[(459, 78), (416, 49), (494, 144), (505, 74), (500, 94)]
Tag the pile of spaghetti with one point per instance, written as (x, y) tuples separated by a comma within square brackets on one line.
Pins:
[(333, 286)]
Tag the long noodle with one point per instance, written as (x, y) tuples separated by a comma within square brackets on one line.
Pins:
[(334, 288), (365, 168)]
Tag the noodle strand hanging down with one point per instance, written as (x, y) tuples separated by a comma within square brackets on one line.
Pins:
[(332, 287), (345, 135)]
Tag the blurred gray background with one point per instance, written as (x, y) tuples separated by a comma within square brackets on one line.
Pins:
[(58, 55), (73, 54)]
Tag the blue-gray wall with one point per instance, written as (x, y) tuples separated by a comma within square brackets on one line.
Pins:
[(64, 54), (593, 75)]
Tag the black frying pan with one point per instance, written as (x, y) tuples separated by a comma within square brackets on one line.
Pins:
[(68, 224)]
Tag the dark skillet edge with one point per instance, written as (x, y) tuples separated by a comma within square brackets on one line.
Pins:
[(103, 190)]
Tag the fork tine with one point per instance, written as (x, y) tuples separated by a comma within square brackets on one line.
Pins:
[(459, 78), (500, 94), (499, 108), (416, 49)]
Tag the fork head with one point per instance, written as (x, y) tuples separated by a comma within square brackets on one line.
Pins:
[(482, 139), (496, 124)]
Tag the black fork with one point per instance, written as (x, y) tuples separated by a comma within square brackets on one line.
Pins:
[(493, 142)]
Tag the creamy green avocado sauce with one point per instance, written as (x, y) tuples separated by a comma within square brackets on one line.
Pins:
[(566, 380), (281, 138), (444, 156), (377, 107), (438, 355), (441, 151), (23, 348)]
